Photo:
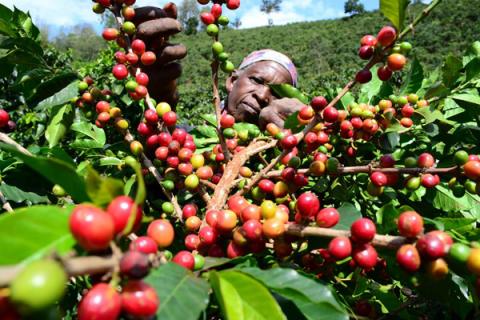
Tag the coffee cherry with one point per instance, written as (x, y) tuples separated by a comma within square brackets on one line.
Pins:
[(306, 113), (330, 114), (340, 248), (459, 253), (363, 230), (189, 210), (436, 269), (139, 299), (273, 228), (184, 259), (233, 4), (425, 160), (120, 71), (384, 73), (366, 52), (408, 258), (410, 224), (132, 58), (266, 185), (207, 18), (429, 180), (327, 217), (368, 40), (396, 61), (237, 204), (120, 209), (363, 76), (92, 227), (128, 13), (144, 244), (129, 27), (208, 235), (365, 256), (308, 204), (38, 285), (134, 265), (110, 34), (472, 170), (148, 58), (319, 103), (461, 157), (138, 47), (227, 121), (162, 232), (386, 36), (226, 221), (192, 224), (431, 247), (379, 179), (136, 147), (170, 118), (216, 10), (101, 302)]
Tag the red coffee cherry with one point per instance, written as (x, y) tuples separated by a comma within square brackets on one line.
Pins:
[(289, 141), (252, 230), (328, 217), (340, 248), (148, 58), (216, 10), (101, 302), (425, 160), (410, 224), (408, 258), (379, 179), (226, 221), (384, 73), (120, 71), (184, 259), (138, 47), (170, 118), (308, 204), (330, 114), (368, 40), (366, 52), (192, 241), (208, 235), (92, 227), (233, 4), (227, 121), (120, 209), (207, 18), (237, 204), (162, 232), (4, 118), (396, 61), (363, 76), (266, 185), (431, 247), (365, 256), (134, 265), (139, 299), (110, 34), (189, 210), (144, 244), (319, 103), (386, 36), (363, 230), (151, 116), (472, 169)]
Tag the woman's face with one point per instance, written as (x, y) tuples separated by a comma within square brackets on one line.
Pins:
[(249, 91)]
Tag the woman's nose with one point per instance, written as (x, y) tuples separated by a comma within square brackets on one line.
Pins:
[(263, 95)]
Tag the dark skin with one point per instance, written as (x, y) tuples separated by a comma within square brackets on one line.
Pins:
[(250, 98)]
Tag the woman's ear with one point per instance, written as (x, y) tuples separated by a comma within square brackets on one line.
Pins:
[(230, 81)]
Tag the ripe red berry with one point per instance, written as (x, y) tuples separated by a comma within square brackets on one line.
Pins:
[(134, 265), (120, 209), (340, 248), (189, 210), (226, 221), (138, 47), (330, 114), (289, 141), (184, 259), (327, 217), (144, 244), (430, 180), (148, 58), (407, 110), (162, 232), (363, 76), (237, 204), (252, 230), (207, 234), (101, 302), (384, 73), (368, 40), (151, 116), (319, 103), (425, 160), (120, 71), (387, 161), (227, 121), (379, 179), (92, 227), (132, 58), (408, 258), (207, 18), (266, 185), (110, 34), (431, 246), (4, 118), (386, 36), (472, 169), (396, 61), (308, 204), (192, 241), (233, 4), (142, 79), (366, 52), (363, 230), (365, 256), (216, 10), (170, 118), (234, 250), (139, 300), (410, 224)]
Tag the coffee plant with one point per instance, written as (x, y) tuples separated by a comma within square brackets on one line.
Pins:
[(364, 206)]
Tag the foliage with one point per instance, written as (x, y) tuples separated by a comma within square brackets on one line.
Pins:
[(353, 7)]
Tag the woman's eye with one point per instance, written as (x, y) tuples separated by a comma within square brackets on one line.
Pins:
[(257, 80)]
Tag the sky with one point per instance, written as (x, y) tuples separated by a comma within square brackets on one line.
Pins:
[(64, 14)]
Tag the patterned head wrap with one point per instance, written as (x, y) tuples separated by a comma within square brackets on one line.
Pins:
[(271, 55)]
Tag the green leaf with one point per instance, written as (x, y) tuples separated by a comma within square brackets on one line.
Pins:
[(472, 53), (286, 90), (451, 108), (97, 136), (110, 161), (204, 131), (451, 71), (348, 214), (430, 114), (57, 128), (390, 141), (177, 287), (12, 193), (210, 119), (242, 297), (386, 217), (59, 98), (315, 300), (346, 100), (29, 233), (469, 98), (292, 123), (445, 200), (102, 190), (472, 70), (52, 86), (394, 10), (56, 171), (414, 79)]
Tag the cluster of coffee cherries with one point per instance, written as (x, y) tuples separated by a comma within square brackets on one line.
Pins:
[(100, 5), (371, 46), (213, 19)]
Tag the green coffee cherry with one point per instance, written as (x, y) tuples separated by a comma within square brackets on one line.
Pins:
[(212, 30)]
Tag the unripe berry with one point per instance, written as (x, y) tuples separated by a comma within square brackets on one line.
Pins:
[(396, 61)]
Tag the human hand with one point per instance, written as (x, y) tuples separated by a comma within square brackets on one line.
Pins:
[(154, 26), (278, 110)]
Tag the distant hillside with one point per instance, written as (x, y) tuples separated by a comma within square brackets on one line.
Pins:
[(325, 52)]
